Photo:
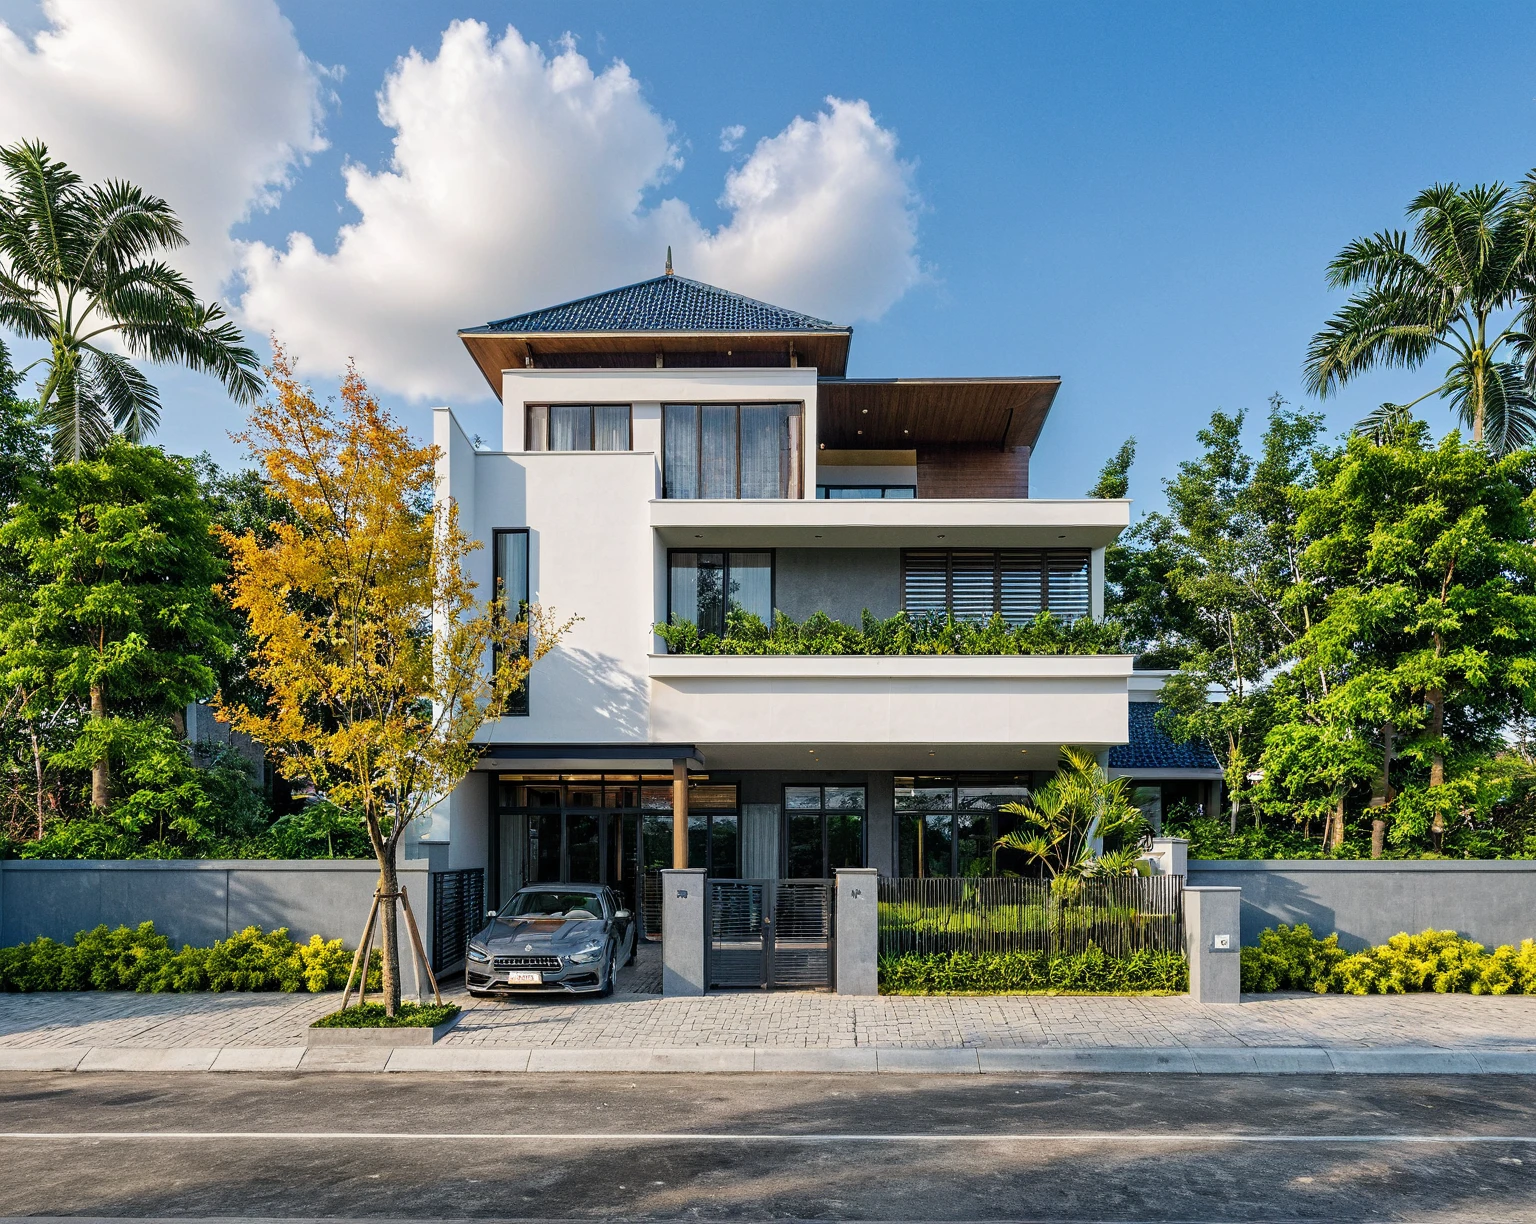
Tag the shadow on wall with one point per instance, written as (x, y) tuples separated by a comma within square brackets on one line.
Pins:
[(1270, 898), (601, 683)]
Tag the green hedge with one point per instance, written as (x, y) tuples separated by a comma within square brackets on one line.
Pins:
[(902, 634), (137, 958), (371, 1015), (1292, 958), (1090, 972)]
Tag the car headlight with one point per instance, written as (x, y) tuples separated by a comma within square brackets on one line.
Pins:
[(478, 954), (588, 954)]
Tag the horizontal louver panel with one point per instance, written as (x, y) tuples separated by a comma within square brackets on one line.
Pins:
[(1019, 586), (973, 585), (1068, 586), (926, 588)]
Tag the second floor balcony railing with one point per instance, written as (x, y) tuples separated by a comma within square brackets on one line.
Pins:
[(902, 634)]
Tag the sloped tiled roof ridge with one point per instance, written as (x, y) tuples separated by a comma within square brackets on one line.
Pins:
[(1151, 748), (664, 303)]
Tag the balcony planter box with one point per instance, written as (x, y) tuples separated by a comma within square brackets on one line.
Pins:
[(377, 1038)]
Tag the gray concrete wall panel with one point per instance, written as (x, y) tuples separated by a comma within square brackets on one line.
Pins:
[(841, 582), (198, 901), (1493, 902)]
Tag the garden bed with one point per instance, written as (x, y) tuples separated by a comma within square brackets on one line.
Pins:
[(366, 1024), (1090, 972)]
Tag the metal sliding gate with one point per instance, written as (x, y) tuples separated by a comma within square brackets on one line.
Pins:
[(771, 934)]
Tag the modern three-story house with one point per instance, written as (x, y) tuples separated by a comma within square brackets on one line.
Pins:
[(672, 451)]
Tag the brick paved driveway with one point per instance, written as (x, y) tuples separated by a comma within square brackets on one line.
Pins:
[(634, 1019)]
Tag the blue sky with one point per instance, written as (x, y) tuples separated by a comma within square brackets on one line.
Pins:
[(1139, 198)]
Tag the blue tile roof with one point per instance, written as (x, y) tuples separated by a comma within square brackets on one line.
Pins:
[(664, 303), (1150, 747)]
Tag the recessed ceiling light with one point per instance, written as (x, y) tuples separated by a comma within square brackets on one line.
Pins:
[(906, 431), (866, 412), (940, 536), (861, 432), (698, 537)]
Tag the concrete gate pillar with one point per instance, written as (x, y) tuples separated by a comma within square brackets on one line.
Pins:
[(1212, 939), (857, 914), (682, 931)]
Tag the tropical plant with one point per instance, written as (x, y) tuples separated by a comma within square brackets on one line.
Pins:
[(369, 639), (79, 272), (1115, 476), (1072, 820), (1470, 260)]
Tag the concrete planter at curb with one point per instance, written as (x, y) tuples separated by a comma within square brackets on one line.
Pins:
[(403, 1035)]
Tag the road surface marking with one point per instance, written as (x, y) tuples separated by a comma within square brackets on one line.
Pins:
[(753, 1137)]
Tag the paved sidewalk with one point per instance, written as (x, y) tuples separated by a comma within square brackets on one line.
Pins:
[(640, 1030)]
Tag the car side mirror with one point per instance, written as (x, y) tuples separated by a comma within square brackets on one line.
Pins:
[(490, 913), (623, 914)]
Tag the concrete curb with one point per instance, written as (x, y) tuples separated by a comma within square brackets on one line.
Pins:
[(862, 1060)]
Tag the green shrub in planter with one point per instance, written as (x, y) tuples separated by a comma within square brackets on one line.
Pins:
[(371, 1015), (138, 958), (1088, 972)]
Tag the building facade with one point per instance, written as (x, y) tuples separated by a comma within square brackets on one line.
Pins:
[(671, 451)]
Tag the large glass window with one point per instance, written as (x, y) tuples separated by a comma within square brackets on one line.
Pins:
[(510, 565), (974, 584), (704, 586), (731, 450), (823, 830), (948, 826), (578, 427)]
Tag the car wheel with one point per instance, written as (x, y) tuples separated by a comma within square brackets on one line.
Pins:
[(634, 947)]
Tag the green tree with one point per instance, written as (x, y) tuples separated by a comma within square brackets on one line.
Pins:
[(1080, 822), (1115, 476), (78, 272), (121, 608), (1425, 557), (1231, 550), (1469, 262)]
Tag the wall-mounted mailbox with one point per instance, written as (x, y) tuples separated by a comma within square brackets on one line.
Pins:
[(1221, 943)]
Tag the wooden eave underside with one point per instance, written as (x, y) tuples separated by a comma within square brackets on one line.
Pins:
[(495, 352), (891, 413)]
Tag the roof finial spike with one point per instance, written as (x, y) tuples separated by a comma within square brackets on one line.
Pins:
[(669, 261)]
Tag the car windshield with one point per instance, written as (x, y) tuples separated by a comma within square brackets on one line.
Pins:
[(571, 905)]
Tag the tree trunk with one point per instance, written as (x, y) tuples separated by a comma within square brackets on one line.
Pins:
[(1233, 821), (389, 884), (1437, 760), (37, 765), (1382, 792), (1336, 831), (100, 771)]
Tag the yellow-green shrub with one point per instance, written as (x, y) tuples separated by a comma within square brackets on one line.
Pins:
[(1292, 958)]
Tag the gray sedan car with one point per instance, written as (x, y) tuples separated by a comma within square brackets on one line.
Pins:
[(552, 939)]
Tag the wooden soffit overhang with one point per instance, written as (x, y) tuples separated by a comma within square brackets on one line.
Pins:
[(493, 352), (904, 413)]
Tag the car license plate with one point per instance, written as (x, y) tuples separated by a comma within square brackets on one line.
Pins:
[(525, 979)]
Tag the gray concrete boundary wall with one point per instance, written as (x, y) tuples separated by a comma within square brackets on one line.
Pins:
[(196, 901), (1491, 901)]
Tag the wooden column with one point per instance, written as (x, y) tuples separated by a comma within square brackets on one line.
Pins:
[(680, 814)]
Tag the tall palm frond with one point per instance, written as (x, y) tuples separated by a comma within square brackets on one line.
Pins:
[(1386, 425), (1472, 254), (79, 272)]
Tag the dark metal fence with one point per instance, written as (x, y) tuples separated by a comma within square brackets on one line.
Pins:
[(458, 911), (1120, 916), (650, 905)]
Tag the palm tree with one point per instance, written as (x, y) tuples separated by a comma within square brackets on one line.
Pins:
[(77, 267), (1065, 816), (1472, 255)]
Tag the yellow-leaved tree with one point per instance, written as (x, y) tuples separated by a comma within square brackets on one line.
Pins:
[(369, 638)]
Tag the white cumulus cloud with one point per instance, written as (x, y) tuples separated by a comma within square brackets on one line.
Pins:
[(731, 136), (208, 105), (519, 179)]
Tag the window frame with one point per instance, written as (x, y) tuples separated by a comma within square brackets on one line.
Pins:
[(773, 576), (954, 783), (1044, 555), (522, 698), (629, 428), (885, 490), (821, 813), (798, 477)]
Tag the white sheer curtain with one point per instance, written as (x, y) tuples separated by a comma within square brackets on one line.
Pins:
[(680, 450)]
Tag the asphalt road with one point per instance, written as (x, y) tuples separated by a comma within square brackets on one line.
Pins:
[(1074, 1148)]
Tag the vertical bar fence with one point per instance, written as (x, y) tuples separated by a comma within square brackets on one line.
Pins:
[(984, 915), (458, 911)]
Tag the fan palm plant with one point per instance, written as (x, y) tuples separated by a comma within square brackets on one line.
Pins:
[(79, 272), (1472, 257), (1079, 806)]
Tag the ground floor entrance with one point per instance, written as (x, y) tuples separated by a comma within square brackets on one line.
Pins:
[(771, 934)]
